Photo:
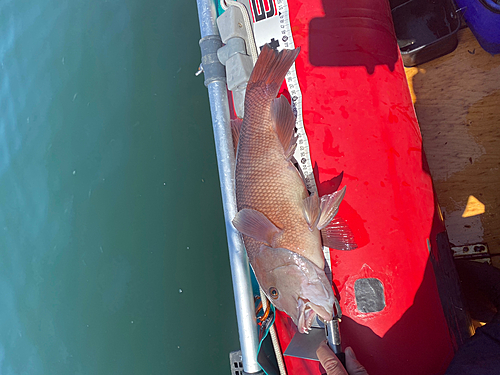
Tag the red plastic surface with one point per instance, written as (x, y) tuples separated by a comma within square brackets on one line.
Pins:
[(359, 119)]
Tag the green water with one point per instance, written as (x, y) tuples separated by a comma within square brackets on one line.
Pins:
[(113, 257)]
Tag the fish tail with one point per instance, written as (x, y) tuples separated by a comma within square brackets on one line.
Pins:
[(270, 70)]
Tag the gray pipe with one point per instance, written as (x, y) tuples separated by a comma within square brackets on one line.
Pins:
[(240, 270)]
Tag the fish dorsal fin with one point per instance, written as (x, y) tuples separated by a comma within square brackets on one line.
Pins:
[(235, 131), (338, 235), (329, 207), (255, 224), (284, 125), (312, 210)]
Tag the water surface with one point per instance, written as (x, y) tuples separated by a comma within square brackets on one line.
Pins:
[(113, 257)]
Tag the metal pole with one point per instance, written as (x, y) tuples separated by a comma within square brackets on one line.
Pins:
[(240, 270)]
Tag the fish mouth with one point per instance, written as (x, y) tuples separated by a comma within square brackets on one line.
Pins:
[(307, 313)]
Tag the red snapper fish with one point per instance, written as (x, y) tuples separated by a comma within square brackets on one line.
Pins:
[(279, 220)]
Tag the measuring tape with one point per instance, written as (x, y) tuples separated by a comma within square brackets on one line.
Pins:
[(271, 24)]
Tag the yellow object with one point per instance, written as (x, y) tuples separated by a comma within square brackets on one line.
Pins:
[(410, 73), (474, 207)]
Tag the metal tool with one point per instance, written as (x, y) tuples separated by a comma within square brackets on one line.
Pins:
[(305, 345), (333, 334)]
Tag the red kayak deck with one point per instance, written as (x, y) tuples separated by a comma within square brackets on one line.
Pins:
[(360, 120)]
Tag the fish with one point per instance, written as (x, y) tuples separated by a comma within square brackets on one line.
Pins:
[(279, 220)]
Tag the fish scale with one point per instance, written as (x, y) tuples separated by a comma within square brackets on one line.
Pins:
[(266, 181)]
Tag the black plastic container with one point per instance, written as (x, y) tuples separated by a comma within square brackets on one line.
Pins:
[(425, 29)]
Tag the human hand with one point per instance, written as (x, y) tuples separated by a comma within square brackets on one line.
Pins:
[(332, 365)]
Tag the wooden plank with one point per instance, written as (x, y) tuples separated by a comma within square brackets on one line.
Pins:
[(457, 101)]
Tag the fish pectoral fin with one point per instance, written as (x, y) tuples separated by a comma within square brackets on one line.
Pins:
[(338, 235), (312, 210), (329, 207), (255, 224), (235, 131), (284, 125)]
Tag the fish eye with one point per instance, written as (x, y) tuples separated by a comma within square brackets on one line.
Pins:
[(273, 292)]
